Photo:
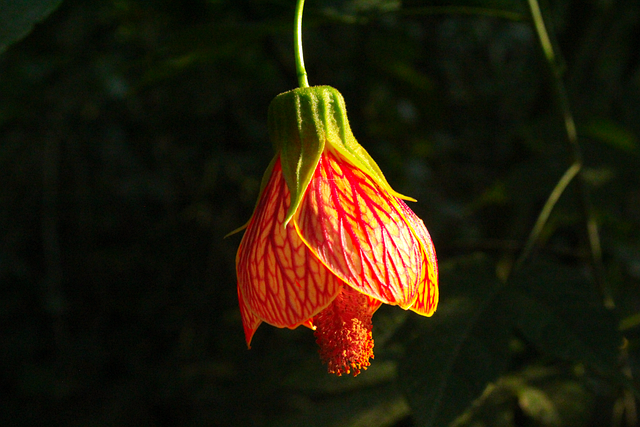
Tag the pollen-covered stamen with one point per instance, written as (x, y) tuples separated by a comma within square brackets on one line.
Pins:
[(344, 333)]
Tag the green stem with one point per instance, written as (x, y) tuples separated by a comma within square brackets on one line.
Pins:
[(572, 138), (297, 41), (462, 10), (534, 236)]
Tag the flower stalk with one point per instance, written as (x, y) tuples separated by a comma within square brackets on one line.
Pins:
[(297, 42)]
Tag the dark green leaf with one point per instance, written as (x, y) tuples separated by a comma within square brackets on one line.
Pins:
[(559, 312), (379, 406), (450, 360), (17, 18), (610, 132)]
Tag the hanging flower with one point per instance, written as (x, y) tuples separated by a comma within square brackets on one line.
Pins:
[(329, 240)]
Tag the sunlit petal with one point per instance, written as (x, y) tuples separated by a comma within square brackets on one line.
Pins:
[(359, 232), (279, 279), (427, 299)]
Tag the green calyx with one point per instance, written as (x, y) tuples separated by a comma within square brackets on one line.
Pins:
[(303, 123)]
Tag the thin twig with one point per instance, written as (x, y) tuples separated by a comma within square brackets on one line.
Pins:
[(534, 236), (576, 152)]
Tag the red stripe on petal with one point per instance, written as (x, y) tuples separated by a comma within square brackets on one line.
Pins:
[(280, 280), (360, 233), (427, 300), (374, 304)]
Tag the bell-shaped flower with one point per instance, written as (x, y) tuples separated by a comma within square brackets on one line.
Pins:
[(329, 240)]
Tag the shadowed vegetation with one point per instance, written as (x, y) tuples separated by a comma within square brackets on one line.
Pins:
[(133, 137)]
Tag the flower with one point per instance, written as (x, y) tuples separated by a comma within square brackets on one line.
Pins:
[(329, 240)]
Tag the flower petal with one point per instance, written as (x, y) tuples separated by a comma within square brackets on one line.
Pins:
[(280, 280), (427, 299), (358, 230), (250, 321)]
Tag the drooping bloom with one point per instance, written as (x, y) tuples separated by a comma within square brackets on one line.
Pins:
[(329, 240)]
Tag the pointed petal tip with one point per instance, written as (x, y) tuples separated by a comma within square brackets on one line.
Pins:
[(248, 334), (250, 322)]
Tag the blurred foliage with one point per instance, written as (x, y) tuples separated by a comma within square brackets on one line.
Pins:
[(18, 18), (133, 138)]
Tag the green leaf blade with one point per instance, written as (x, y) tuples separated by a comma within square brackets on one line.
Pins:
[(17, 18), (564, 317), (464, 347)]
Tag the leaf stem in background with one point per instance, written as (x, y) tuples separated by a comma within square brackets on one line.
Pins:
[(297, 42), (545, 212), (576, 153), (463, 10)]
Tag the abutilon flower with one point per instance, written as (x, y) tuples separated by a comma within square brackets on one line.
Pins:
[(329, 240)]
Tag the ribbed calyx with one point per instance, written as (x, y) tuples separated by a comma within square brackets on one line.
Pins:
[(301, 122)]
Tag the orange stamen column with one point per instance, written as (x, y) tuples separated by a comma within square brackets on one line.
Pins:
[(343, 332)]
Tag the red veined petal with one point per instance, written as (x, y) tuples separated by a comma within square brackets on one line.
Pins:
[(250, 321), (374, 304), (427, 300), (280, 279), (358, 230)]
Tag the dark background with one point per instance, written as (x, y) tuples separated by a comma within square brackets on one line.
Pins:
[(133, 138)]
